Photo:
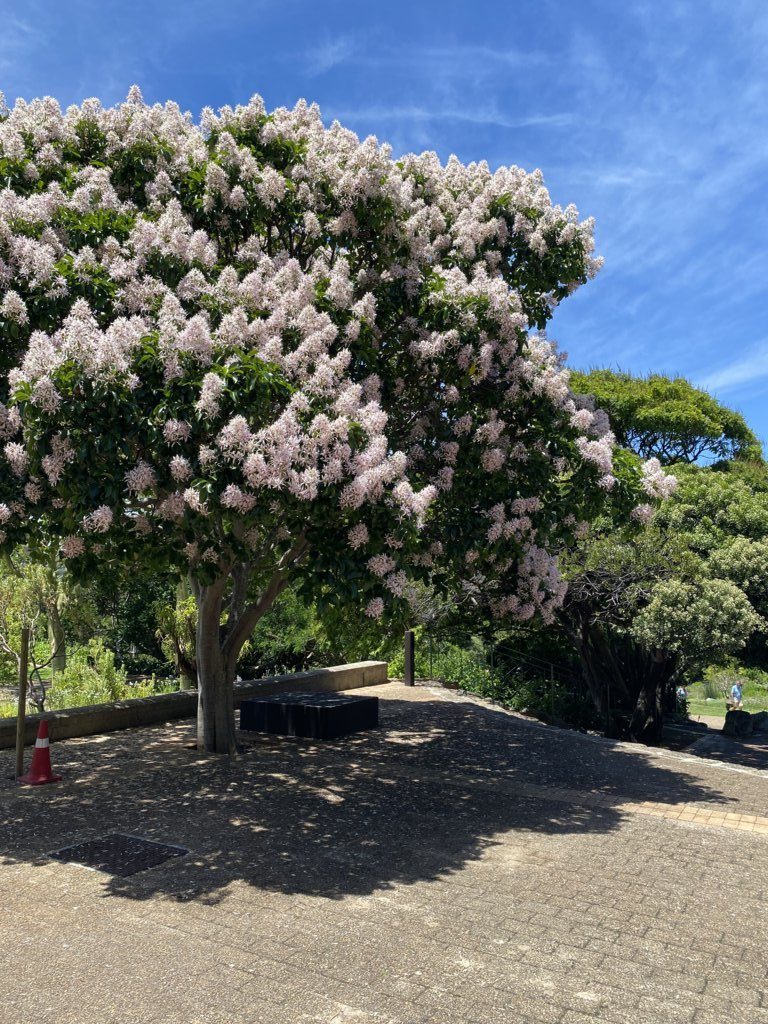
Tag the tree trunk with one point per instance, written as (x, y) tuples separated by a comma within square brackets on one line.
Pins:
[(56, 638), (645, 725), (215, 700), (187, 679), (603, 673), (217, 651), (215, 705), (627, 685)]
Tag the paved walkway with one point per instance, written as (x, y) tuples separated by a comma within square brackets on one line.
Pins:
[(751, 752), (459, 865)]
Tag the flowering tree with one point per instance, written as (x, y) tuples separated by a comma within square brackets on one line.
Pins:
[(260, 350)]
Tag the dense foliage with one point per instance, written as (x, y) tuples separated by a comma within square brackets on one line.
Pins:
[(689, 591), (668, 418), (258, 351)]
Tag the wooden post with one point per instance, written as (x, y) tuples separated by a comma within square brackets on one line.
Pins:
[(22, 708), (410, 666)]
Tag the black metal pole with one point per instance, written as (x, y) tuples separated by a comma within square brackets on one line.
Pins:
[(410, 663)]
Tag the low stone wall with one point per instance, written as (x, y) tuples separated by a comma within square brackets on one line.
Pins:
[(127, 714)]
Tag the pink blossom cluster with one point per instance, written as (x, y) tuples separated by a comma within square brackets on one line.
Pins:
[(382, 564), (358, 536), (642, 513), (539, 587), (656, 483), (353, 411), (72, 547), (17, 457), (513, 523), (180, 468), (375, 608), (235, 498), (98, 521), (60, 456), (140, 478), (176, 431)]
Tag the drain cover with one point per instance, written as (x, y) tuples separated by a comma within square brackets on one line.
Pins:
[(118, 854)]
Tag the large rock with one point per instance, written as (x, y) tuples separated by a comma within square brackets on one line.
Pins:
[(738, 723), (760, 721)]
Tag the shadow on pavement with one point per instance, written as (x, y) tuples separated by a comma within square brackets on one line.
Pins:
[(431, 790), (750, 752)]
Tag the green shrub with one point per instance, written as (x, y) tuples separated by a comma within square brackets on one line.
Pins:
[(467, 666), (93, 677), (544, 698)]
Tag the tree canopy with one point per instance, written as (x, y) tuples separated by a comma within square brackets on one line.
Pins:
[(258, 350), (668, 418)]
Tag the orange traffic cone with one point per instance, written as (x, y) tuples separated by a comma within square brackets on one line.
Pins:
[(40, 770)]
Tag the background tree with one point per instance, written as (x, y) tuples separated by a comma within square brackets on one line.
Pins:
[(259, 351), (689, 590), (176, 632), (290, 637), (641, 609), (24, 585), (668, 418)]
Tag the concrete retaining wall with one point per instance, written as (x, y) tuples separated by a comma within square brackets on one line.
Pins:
[(127, 714)]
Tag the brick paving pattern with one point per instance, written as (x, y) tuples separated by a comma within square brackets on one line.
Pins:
[(460, 865)]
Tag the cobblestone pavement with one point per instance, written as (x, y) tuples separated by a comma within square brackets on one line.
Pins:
[(459, 865)]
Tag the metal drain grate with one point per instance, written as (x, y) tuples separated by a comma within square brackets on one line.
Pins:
[(118, 854)]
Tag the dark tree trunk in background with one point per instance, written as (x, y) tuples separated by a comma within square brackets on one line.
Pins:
[(186, 663), (627, 684), (187, 676), (56, 638), (645, 725)]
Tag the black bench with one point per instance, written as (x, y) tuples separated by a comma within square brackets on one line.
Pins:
[(317, 716)]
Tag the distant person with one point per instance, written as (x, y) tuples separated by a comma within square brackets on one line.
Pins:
[(736, 697)]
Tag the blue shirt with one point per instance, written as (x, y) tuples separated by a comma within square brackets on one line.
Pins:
[(736, 692)]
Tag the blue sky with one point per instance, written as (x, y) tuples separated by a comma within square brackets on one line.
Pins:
[(650, 116)]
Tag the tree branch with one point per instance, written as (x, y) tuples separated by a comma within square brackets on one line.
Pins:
[(240, 631), (241, 577)]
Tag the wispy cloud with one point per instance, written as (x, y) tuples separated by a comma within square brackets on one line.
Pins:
[(741, 373), (17, 39), (471, 115), (458, 61), (328, 55), (464, 55)]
